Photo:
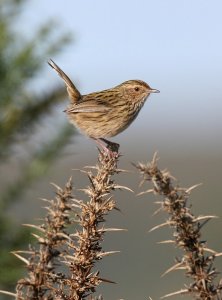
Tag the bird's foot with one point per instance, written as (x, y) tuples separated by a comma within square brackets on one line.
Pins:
[(112, 149)]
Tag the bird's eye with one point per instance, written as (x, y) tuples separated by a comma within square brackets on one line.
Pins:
[(137, 89)]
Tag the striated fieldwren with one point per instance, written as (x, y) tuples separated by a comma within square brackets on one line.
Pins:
[(104, 114)]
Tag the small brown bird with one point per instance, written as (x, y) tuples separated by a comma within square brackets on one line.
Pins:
[(106, 113)]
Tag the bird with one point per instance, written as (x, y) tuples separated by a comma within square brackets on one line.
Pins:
[(104, 114)]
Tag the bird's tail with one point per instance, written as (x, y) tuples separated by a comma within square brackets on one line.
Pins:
[(74, 94)]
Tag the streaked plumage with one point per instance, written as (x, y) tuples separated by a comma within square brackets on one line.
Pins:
[(106, 113)]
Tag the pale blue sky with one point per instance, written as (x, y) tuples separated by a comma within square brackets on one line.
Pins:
[(175, 46)]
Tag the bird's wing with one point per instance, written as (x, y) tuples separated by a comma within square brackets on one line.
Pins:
[(89, 106)]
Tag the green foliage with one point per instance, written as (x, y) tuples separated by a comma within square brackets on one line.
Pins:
[(22, 60)]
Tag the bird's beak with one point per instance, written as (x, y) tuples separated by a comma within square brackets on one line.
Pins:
[(154, 91)]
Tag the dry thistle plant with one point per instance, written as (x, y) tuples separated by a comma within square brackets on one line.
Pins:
[(197, 259), (61, 265)]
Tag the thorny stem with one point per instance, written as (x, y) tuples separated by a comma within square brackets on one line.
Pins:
[(61, 267), (42, 261), (86, 245), (187, 233)]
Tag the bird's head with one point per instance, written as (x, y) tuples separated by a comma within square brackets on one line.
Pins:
[(136, 90)]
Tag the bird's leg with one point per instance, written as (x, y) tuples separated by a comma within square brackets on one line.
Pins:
[(110, 147)]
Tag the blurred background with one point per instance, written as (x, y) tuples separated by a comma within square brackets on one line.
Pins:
[(176, 47)]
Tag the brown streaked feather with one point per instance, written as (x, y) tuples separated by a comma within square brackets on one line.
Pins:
[(74, 94), (90, 103), (89, 106)]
